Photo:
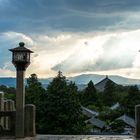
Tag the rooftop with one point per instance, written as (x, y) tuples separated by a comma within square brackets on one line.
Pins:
[(101, 85), (128, 120)]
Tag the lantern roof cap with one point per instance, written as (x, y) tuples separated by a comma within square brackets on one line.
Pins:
[(20, 48)]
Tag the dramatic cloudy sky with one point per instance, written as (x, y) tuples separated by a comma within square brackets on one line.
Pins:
[(74, 36)]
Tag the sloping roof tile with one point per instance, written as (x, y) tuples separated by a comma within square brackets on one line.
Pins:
[(128, 120), (101, 85), (96, 122), (89, 112)]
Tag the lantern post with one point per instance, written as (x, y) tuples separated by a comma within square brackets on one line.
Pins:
[(21, 60)]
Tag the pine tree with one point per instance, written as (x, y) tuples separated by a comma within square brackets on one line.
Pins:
[(36, 94), (34, 89), (132, 99), (109, 95), (90, 95), (63, 114)]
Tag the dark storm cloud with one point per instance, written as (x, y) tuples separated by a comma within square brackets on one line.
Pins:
[(63, 15), (104, 5)]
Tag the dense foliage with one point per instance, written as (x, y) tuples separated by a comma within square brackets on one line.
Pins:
[(89, 95), (109, 96), (36, 94), (58, 108), (126, 96), (10, 92), (130, 100), (117, 126)]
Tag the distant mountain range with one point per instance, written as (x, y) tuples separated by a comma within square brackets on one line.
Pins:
[(85, 78), (80, 80)]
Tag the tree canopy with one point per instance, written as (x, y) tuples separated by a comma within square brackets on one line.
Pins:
[(63, 110), (36, 94), (131, 99), (109, 96), (89, 94), (58, 107)]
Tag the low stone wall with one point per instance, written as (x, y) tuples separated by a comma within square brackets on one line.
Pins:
[(73, 137), (83, 137), (7, 116), (12, 138)]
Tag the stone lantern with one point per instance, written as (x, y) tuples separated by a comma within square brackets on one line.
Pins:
[(21, 57), (21, 60)]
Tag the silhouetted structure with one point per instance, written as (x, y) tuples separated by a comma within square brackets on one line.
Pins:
[(21, 60), (101, 85)]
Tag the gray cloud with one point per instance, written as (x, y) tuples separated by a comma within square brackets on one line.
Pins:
[(102, 64), (37, 16), (49, 18), (104, 5), (114, 56)]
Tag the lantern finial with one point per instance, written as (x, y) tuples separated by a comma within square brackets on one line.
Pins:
[(21, 44)]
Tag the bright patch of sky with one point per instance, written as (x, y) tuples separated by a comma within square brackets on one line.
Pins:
[(74, 36)]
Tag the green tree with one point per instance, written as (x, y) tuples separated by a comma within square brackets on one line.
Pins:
[(63, 114), (89, 96), (109, 96), (132, 99), (117, 126), (9, 92), (36, 94), (34, 90), (108, 114)]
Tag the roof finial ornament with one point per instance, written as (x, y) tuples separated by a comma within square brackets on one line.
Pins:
[(107, 76), (21, 44)]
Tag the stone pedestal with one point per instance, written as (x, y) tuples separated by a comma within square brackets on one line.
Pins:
[(9, 105), (5, 118), (137, 119), (2, 107), (1, 101), (30, 120)]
